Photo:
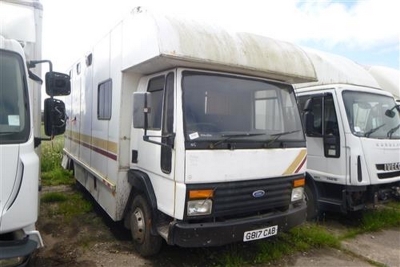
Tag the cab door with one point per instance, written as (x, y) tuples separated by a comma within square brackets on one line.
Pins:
[(155, 153), (326, 154)]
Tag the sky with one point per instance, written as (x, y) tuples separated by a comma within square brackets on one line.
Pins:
[(365, 31)]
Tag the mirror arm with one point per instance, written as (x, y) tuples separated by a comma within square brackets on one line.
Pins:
[(33, 63), (146, 138)]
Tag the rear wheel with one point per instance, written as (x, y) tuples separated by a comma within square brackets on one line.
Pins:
[(312, 205), (141, 222)]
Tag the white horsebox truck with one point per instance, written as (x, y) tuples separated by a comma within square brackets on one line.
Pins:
[(189, 133), (353, 137), (20, 122)]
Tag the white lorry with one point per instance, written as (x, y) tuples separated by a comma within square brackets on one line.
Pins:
[(353, 137), (20, 122), (189, 133)]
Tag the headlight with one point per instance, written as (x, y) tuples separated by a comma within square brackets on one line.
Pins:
[(199, 207), (297, 193)]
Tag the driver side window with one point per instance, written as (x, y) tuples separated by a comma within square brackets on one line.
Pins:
[(156, 89)]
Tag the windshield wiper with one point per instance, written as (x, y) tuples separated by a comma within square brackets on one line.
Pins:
[(391, 131), (367, 134), (230, 136), (277, 135)]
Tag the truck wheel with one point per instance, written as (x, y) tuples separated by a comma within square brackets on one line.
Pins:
[(312, 205), (140, 221)]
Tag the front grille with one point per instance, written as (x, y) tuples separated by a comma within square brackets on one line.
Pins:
[(234, 199), (386, 175)]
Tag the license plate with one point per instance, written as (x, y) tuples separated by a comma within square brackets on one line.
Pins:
[(260, 233)]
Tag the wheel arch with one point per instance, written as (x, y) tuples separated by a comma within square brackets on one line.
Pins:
[(313, 208), (312, 184), (141, 184)]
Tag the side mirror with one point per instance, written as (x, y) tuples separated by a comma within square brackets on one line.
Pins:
[(57, 84), (390, 113), (141, 107), (54, 117)]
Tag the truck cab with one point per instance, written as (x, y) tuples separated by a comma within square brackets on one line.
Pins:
[(20, 127), (352, 135)]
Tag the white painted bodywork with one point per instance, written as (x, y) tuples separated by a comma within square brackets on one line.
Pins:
[(336, 75), (20, 33), (139, 48)]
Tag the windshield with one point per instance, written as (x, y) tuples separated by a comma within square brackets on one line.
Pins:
[(14, 125), (372, 115), (223, 110)]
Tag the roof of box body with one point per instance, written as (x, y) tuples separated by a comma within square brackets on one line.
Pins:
[(153, 42), (335, 69), (17, 19), (388, 79)]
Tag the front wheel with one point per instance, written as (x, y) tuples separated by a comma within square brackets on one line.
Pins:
[(141, 222), (312, 205)]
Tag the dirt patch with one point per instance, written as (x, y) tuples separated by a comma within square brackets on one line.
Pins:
[(92, 239), (75, 241)]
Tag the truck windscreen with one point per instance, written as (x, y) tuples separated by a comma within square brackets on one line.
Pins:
[(14, 104), (221, 110), (367, 115)]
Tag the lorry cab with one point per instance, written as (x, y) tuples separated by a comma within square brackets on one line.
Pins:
[(352, 137), (20, 127)]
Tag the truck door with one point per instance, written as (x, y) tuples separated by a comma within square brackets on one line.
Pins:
[(325, 138), (156, 148)]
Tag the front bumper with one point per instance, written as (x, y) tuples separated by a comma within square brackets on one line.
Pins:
[(17, 251), (222, 233)]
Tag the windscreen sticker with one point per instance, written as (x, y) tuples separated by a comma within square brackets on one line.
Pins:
[(193, 136), (13, 120)]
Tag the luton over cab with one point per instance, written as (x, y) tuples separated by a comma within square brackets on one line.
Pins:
[(189, 133), (353, 137)]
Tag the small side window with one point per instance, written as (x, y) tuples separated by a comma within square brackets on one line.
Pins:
[(156, 89), (104, 100)]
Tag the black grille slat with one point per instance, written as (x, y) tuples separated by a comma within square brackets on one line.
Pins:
[(259, 206), (270, 188), (270, 197)]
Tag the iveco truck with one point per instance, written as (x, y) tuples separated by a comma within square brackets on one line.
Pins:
[(20, 124), (353, 137)]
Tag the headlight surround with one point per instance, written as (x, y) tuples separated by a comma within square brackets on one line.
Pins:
[(297, 194), (199, 207)]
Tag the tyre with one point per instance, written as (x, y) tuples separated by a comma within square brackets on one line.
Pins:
[(141, 222), (312, 205)]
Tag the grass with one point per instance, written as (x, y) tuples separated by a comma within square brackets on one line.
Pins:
[(375, 220), (52, 172), (310, 235), (66, 205), (53, 197)]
